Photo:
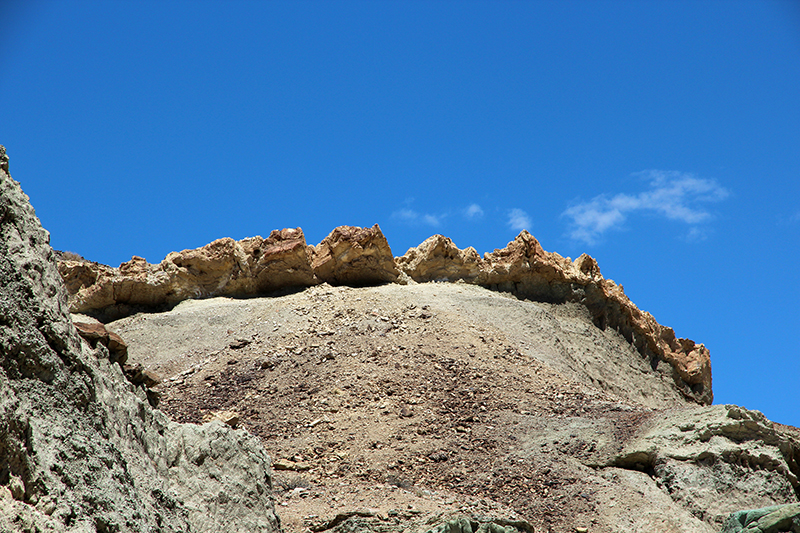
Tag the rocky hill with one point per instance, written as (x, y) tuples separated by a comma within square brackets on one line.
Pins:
[(356, 257), (440, 391)]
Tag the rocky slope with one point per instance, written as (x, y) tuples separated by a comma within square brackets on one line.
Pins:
[(456, 400), (361, 256), (520, 384), (81, 450)]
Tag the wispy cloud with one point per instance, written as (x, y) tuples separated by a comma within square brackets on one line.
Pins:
[(473, 211), (674, 195), (410, 216), (697, 234), (518, 220)]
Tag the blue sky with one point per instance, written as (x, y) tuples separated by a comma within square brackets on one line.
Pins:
[(662, 138)]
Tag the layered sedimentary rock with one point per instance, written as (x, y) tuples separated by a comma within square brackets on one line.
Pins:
[(354, 256), (224, 267), (439, 259), (361, 256), (525, 269), (80, 448)]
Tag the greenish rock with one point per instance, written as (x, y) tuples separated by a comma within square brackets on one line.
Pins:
[(775, 519), (464, 525), (369, 523)]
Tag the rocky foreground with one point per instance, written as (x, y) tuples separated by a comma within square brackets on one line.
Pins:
[(527, 394), (81, 449)]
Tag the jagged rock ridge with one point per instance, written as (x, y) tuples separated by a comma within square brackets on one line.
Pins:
[(361, 256), (80, 448)]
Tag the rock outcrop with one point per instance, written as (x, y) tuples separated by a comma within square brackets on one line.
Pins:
[(224, 267), (710, 459), (354, 256), (361, 256), (776, 519), (439, 259), (525, 269), (80, 449)]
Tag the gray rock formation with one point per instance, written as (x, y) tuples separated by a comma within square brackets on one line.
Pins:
[(80, 451), (712, 459)]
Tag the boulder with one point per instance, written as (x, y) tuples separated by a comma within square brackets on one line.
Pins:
[(281, 260), (350, 255), (80, 447), (95, 332)]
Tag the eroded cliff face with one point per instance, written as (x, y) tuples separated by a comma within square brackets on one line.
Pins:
[(361, 256), (525, 269), (80, 447)]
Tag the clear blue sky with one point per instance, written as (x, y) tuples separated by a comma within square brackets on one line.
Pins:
[(663, 138)]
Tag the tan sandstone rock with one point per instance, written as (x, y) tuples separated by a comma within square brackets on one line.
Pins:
[(224, 267), (439, 259), (350, 255), (525, 269), (239, 268)]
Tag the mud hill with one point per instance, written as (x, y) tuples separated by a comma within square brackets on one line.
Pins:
[(440, 391), (444, 398)]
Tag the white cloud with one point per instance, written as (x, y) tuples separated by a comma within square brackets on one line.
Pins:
[(519, 220), (413, 217), (431, 220), (473, 211), (674, 195)]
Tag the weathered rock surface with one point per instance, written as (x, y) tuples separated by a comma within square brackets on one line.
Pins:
[(525, 269), (79, 450), (354, 256), (224, 267), (439, 259), (95, 332), (776, 519), (710, 459)]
